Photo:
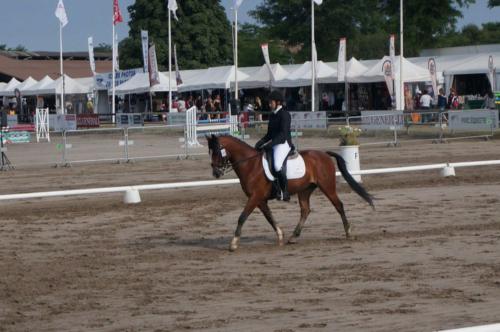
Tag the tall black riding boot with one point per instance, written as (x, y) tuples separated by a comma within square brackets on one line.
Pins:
[(283, 182)]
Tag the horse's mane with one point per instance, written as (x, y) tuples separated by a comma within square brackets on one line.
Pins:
[(234, 138)]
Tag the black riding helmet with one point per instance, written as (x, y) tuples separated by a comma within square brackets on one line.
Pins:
[(276, 95)]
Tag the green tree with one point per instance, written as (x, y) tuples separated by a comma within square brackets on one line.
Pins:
[(489, 33), (366, 24), (250, 39), (493, 3), (202, 34), (104, 48)]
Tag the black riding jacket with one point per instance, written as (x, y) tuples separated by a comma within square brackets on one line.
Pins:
[(278, 130)]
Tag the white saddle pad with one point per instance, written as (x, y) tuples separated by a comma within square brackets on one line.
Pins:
[(295, 168)]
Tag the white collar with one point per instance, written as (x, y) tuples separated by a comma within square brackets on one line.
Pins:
[(278, 109)]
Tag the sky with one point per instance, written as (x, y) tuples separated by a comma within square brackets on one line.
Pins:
[(32, 23)]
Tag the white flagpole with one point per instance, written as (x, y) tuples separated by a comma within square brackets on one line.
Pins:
[(63, 111), (401, 81), (169, 62), (313, 79), (113, 106), (235, 53)]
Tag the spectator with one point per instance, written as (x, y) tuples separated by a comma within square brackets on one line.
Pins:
[(425, 104), (442, 104), (199, 103), (453, 103), (217, 106), (257, 108), (489, 100)]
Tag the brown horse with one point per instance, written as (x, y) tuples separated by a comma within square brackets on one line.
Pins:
[(228, 152)]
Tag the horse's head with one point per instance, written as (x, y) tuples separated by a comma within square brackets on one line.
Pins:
[(218, 156)]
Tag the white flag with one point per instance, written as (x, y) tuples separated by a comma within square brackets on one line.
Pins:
[(91, 55), (392, 52), (172, 6), (237, 3), (267, 60), (116, 57), (315, 60), (61, 13), (145, 49), (318, 2), (491, 73), (341, 60)]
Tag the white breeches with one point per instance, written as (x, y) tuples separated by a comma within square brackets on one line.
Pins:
[(280, 152)]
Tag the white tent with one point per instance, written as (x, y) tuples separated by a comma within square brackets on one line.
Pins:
[(214, 78), (10, 87), (26, 84), (2, 86), (302, 75), (354, 69), (190, 75), (263, 78), (476, 64), (32, 90), (71, 87), (88, 82), (411, 72), (140, 84)]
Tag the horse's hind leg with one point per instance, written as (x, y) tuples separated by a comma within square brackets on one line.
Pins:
[(305, 209), (339, 206), (269, 217)]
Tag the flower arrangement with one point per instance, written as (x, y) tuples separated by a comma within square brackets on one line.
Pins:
[(349, 135)]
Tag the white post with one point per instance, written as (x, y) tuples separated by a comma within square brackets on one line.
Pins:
[(401, 80), (63, 111), (113, 109), (235, 53), (313, 71), (169, 62)]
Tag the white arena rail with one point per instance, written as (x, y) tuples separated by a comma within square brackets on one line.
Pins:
[(193, 127), (132, 192)]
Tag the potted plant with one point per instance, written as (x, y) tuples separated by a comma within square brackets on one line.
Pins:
[(349, 148)]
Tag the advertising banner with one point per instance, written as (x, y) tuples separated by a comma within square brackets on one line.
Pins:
[(154, 76), (309, 120), (382, 120), (431, 64), (87, 121), (62, 122), (475, 120), (387, 70), (124, 120), (104, 81)]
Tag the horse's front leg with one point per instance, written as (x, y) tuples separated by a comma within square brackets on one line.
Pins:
[(252, 203), (264, 207)]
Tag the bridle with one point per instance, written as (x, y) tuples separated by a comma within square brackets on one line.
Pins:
[(226, 165)]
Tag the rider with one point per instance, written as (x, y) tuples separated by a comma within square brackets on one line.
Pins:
[(280, 139)]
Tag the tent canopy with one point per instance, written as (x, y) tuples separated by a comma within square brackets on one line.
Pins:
[(213, 78), (263, 77), (28, 83), (354, 69), (71, 87), (32, 90), (10, 87), (140, 84), (411, 72), (302, 76)]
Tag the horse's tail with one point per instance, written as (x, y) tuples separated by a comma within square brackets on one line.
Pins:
[(350, 180)]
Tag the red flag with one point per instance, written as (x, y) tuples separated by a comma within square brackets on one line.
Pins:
[(117, 15)]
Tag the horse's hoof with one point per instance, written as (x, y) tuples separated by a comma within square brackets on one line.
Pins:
[(292, 240), (234, 244)]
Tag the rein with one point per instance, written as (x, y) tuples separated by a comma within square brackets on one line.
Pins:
[(228, 165)]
